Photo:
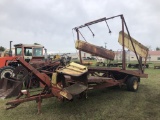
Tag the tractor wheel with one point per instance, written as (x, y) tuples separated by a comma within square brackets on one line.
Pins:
[(132, 84), (6, 72), (21, 73)]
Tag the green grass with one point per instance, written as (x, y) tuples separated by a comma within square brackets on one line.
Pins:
[(111, 103)]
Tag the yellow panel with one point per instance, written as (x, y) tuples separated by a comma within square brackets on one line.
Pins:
[(81, 67), (54, 78), (73, 69), (140, 49)]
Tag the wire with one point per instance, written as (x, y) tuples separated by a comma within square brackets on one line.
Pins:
[(74, 41), (82, 36), (73, 36), (91, 31), (108, 27)]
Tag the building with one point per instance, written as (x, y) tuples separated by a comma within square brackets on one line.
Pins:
[(153, 56)]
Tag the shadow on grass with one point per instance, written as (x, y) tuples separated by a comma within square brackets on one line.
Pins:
[(95, 99)]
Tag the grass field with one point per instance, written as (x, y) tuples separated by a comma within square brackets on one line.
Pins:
[(106, 104)]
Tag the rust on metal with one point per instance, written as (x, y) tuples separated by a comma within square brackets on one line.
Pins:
[(9, 87), (108, 83), (123, 42), (42, 77), (94, 50), (75, 89)]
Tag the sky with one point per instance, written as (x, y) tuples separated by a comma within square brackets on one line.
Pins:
[(50, 22)]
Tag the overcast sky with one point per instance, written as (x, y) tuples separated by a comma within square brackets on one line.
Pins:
[(50, 22)]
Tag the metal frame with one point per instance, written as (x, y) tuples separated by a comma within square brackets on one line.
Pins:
[(123, 50), (94, 78)]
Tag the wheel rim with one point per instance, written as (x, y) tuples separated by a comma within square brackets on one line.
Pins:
[(7, 73), (135, 85)]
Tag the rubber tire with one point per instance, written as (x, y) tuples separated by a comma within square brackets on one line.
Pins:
[(132, 84), (9, 68)]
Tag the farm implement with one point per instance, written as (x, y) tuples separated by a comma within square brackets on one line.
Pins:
[(66, 82)]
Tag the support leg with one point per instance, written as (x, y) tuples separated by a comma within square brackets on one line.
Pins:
[(39, 105)]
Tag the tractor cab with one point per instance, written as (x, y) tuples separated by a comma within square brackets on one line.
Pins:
[(29, 51)]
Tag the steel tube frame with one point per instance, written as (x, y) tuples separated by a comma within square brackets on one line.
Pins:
[(123, 24), (79, 50), (132, 45), (124, 55)]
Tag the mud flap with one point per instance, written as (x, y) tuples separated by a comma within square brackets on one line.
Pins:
[(9, 88)]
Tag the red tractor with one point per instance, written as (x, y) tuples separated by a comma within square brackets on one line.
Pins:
[(30, 52)]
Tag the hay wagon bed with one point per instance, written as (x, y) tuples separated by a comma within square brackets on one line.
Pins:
[(115, 76)]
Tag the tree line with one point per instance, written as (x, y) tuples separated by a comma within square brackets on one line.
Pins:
[(157, 48), (2, 48)]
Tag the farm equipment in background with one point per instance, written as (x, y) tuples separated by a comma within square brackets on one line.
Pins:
[(72, 80), (136, 65), (100, 61), (64, 57), (30, 53), (12, 85), (156, 65), (9, 67)]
